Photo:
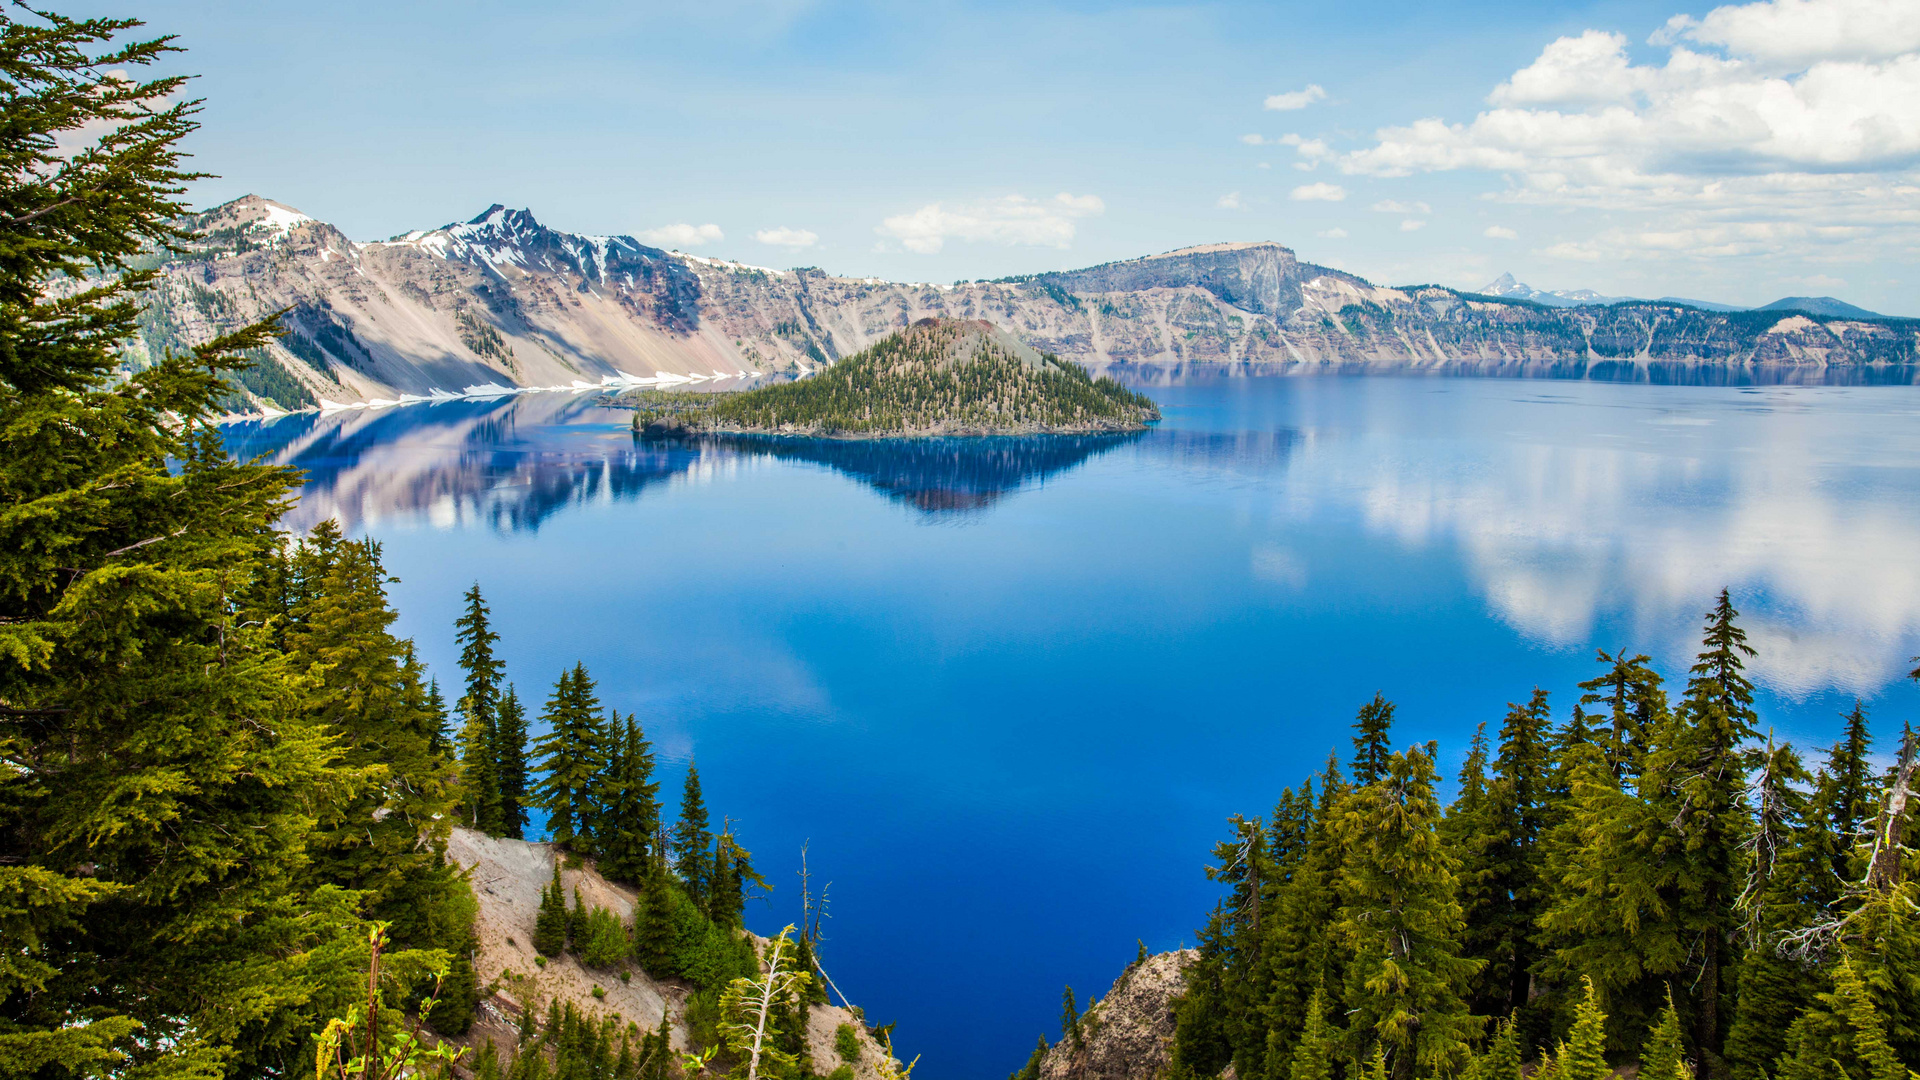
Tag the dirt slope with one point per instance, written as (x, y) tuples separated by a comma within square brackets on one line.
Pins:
[(507, 878)]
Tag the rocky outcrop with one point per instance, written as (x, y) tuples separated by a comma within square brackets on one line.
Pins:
[(1128, 1034), (503, 301), (507, 877)]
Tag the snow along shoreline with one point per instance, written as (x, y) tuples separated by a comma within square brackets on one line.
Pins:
[(490, 391)]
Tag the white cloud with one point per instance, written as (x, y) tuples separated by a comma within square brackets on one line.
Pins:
[(788, 238), (1335, 233), (1230, 201), (1500, 232), (683, 235), (1296, 99), (1590, 68), (1010, 219), (1320, 192), (1254, 140), (1795, 33), (1395, 206), (1412, 225), (1780, 127)]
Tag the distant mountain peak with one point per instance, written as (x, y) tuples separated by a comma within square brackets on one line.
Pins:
[(1506, 286), (253, 213), (1820, 305)]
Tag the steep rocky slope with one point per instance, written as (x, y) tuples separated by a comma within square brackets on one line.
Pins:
[(1128, 1034), (503, 301), (507, 878)]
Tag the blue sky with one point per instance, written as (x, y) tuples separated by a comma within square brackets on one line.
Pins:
[(1641, 148)]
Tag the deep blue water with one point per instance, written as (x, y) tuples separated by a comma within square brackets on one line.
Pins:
[(1008, 690)]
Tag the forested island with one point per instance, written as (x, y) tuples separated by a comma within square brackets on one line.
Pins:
[(937, 377), (1652, 883)]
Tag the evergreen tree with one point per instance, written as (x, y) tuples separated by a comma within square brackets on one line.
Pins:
[(1298, 951), (510, 763), (1314, 1054), (1784, 867), (386, 838), (162, 775), (1031, 1070), (654, 944), (1502, 1060), (441, 742), (630, 800), (1612, 915), (1665, 1057), (1583, 1055), (1474, 831), (1401, 924), (1070, 1022), (1371, 743), (1702, 782), (1844, 1039), (550, 925), (479, 707), (733, 874), (1504, 928), (571, 755), (691, 839), (1846, 794), (1635, 702)]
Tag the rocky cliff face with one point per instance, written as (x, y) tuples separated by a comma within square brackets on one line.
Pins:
[(1127, 1035), (502, 300)]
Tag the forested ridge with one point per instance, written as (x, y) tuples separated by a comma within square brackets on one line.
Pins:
[(226, 788), (1651, 882), (943, 376)]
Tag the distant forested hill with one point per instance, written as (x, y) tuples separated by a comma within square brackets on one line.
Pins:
[(938, 377)]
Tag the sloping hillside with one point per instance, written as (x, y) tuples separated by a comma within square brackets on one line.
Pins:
[(507, 878), (502, 301)]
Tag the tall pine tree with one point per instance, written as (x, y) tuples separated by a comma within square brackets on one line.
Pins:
[(572, 756), (1401, 923), (510, 763), (631, 806), (479, 711), (1371, 740), (691, 838)]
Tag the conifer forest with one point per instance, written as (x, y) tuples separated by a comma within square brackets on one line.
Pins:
[(228, 786), (1649, 880)]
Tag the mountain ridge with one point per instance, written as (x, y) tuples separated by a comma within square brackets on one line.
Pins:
[(501, 302), (1506, 286)]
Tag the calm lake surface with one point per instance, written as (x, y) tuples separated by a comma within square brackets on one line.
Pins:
[(1008, 690)]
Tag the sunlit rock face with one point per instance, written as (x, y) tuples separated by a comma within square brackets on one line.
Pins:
[(503, 300)]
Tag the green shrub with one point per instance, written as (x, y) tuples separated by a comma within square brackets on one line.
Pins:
[(846, 1043), (844, 1072), (599, 991), (600, 939)]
